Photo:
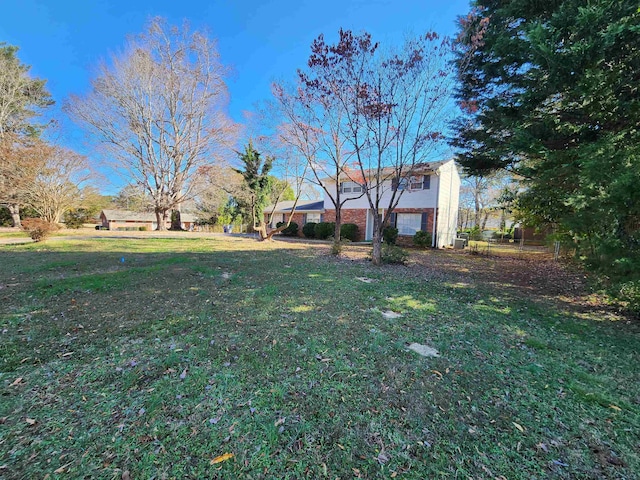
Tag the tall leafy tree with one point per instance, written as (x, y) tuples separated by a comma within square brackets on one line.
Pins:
[(22, 100), (550, 91)]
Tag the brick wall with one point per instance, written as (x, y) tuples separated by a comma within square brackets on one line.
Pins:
[(351, 215)]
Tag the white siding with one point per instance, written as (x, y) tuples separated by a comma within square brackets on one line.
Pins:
[(409, 198), (448, 197)]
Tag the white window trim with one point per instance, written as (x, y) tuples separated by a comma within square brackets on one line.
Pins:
[(350, 187), (416, 183), (319, 215), (408, 226)]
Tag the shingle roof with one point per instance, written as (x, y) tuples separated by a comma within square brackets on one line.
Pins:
[(303, 206)]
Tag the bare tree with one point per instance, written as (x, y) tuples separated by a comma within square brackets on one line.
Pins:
[(158, 108), (56, 186), (395, 106), (20, 160), (314, 130), (480, 195)]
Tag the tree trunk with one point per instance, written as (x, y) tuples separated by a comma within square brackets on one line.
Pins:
[(176, 221), (336, 232), (377, 241), (161, 220), (484, 220), (15, 215)]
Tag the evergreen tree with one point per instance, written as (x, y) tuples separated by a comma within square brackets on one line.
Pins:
[(257, 182), (550, 92)]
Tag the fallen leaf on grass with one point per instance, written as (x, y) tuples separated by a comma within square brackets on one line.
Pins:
[(518, 426), (382, 458), (62, 468), (615, 407), (280, 421), (30, 421), (222, 458), (183, 375), (391, 314), (16, 382), (126, 475), (68, 354)]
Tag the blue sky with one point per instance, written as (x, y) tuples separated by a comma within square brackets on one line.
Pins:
[(63, 40)]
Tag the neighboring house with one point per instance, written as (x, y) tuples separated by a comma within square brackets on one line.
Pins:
[(429, 203), (126, 220)]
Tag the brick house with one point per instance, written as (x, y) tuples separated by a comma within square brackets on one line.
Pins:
[(429, 202), (126, 220)]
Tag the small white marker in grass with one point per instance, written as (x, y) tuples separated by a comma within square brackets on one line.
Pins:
[(423, 350)]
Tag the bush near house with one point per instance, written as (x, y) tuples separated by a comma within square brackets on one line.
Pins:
[(422, 239), (390, 235), (392, 254), (349, 231), (38, 229), (309, 230), (324, 230), (290, 231)]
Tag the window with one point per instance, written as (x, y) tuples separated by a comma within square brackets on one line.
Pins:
[(313, 218), (415, 183), (408, 223), (402, 184), (350, 187)]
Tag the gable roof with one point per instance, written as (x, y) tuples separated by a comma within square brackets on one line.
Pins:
[(127, 215), (303, 206)]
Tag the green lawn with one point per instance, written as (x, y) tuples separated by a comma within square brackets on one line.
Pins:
[(155, 356)]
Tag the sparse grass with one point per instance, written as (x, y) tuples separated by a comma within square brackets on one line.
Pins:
[(192, 348)]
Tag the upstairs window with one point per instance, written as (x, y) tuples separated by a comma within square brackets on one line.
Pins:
[(350, 187), (412, 183), (415, 183)]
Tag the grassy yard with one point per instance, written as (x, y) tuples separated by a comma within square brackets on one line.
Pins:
[(152, 358)]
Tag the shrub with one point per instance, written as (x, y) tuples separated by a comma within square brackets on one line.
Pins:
[(336, 248), (422, 239), (38, 229), (475, 233), (324, 230), (390, 235), (309, 230), (628, 292), (290, 231), (74, 219), (393, 254), (349, 231), (143, 228), (499, 235)]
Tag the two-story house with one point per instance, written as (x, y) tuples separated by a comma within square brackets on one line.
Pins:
[(429, 202)]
